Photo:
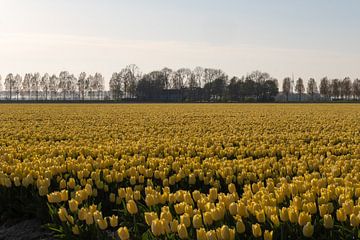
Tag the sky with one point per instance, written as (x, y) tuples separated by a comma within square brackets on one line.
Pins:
[(304, 38)]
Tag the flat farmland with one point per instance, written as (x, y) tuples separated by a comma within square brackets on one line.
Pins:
[(183, 171)]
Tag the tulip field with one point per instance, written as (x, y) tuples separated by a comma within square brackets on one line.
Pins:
[(183, 171)]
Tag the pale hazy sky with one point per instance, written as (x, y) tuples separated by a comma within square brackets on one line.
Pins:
[(310, 38)]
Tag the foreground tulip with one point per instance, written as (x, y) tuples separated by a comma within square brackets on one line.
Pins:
[(268, 235), (308, 230), (182, 231), (131, 207), (201, 234), (62, 214), (73, 205), (256, 230), (328, 221), (240, 226), (225, 232), (123, 233), (102, 223), (113, 221)]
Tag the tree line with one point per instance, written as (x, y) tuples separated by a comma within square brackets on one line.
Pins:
[(198, 85), (329, 89)]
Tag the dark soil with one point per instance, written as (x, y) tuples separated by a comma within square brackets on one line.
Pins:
[(20, 229)]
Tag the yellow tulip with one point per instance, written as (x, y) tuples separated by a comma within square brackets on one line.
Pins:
[(268, 235), (256, 230), (233, 208), (123, 233), (328, 221), (354, 220), (131, 207), (225, 232), (75, 230), (197, 221), (260, 216), (240, 226), (308, 230), (62, 214), (102, 223), (73, 205), (113, 221), (201, 234), (304, 218), (182, 231)]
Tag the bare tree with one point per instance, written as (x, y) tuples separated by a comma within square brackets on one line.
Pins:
[(71, 85), (181, 78), (335, 88), (198, 75), (115, 86), (53, 86), (286, 87), (35, 82), (44, 84), (356, 88), (89, 86), (97, 84), (63, 78), (325, 90), (168, 73), (211, 74), (81, 85), (26, 85), (132, 77), (17, 85), (346, 88), (9, 83), (299, 87), (312, 88)]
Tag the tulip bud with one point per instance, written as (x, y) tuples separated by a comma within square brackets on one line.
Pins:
[(112, 197), (284, 214), (82, 214), (201, 234), (308, 230), (89, 218), (182, 231), (123, 233), (62, 214), (293, 215), (304, 218), (71, 183), (207, 218), (131, 207), (260, 216), (149, 217), (225, 232), (102, 223), (341, 215), (268, 235), (173, 225), (113, 221), (185, 219), (213, 194), (231, 188), (328, 221), (75, 230), (233, 208), (211, 235), (197, 221), (73, 205), (354, 220), (256, 230), (240, 226)]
